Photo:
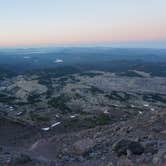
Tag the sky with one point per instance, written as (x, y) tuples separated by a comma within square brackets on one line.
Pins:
[(47, 22)]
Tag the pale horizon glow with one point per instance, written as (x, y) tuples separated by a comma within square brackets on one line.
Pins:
[(74, 22)]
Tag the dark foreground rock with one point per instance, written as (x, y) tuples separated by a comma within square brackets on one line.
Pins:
[(121, 147)]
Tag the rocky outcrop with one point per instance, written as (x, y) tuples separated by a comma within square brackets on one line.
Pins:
[(124, 146)]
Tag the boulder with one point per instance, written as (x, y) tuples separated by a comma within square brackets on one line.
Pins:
[(83, 146), (122, 146)]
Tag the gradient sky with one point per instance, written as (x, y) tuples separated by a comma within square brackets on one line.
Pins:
[(30, 22)]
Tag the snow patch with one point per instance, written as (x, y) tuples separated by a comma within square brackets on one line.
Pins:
[(58, 61), (152, 109), (72, 116), (46, 128), (106, 112), (55, 124), (19, 113), (140, 112), (146, 105), (132, 106)]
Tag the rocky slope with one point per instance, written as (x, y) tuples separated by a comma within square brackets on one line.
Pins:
[(94, 118)]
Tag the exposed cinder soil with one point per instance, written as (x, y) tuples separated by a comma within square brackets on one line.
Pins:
[(26, 145)]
